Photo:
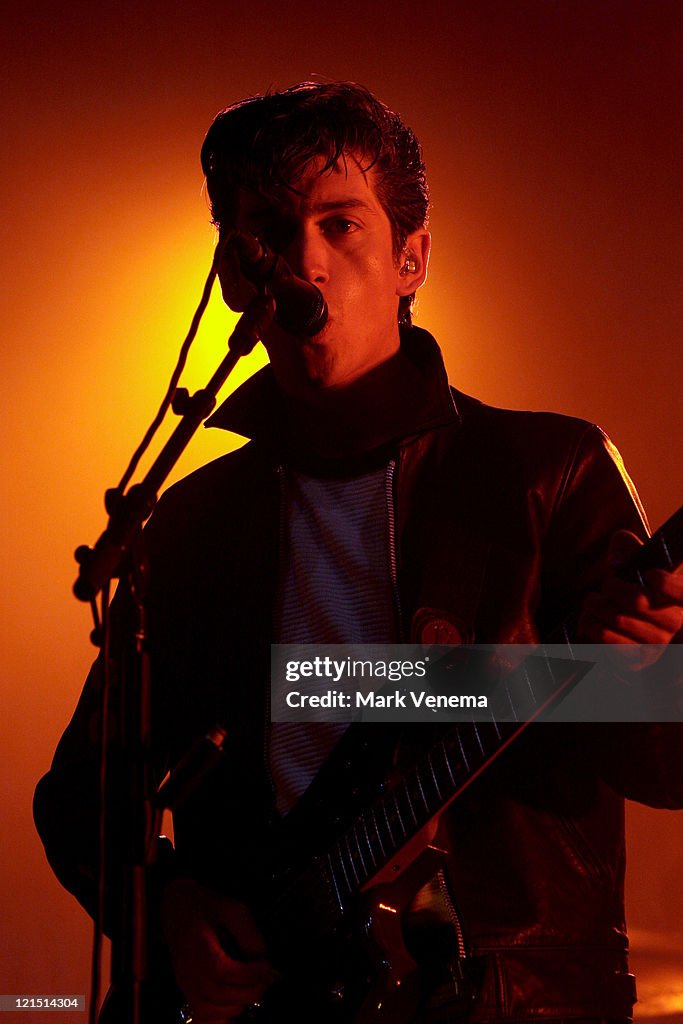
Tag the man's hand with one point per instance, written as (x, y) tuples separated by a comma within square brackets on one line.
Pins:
[(624, 613), (198, 925)]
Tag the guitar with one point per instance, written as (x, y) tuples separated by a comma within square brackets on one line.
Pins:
[(331, 914)]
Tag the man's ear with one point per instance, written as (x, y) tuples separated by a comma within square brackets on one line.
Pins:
[(413, 262)]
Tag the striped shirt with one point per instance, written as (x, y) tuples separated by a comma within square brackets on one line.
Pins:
[(335, 587)]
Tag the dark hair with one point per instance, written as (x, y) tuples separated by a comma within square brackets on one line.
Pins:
[(270, 140)]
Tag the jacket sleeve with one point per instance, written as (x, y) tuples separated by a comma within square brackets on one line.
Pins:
[(66, 800), (595, 498), (642, 761)]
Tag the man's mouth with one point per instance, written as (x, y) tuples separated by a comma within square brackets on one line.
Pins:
[(320, 336)]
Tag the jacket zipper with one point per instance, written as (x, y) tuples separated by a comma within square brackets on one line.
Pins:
[(453, 914), (390, 492), (280, 472)]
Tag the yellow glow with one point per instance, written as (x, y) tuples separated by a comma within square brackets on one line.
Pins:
[(159, 334)]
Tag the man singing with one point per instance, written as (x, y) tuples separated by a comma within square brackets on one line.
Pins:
[(375, 504)]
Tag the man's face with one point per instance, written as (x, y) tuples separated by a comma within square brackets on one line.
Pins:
[(332, 231)]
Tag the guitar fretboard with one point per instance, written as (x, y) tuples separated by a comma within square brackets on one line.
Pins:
[(402, 809), (451, 764)]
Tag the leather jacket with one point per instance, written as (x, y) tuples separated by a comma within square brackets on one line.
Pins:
[(502, 522)]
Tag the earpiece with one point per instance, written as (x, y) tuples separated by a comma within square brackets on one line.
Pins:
[(410, 265)]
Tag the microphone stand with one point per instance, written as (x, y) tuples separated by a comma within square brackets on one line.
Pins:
[(127, 512), (120, 552)]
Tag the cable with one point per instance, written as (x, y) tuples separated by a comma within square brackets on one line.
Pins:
[(180, 365)]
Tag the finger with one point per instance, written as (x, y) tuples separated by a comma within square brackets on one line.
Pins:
[(255, 975), (657, 604), (623, 544), (239, 933), (224, 1004), (661, 588), (602, 622), (627, 597), (665, 587), (228, 986), (627, 657), (655, 626), (225, 970)]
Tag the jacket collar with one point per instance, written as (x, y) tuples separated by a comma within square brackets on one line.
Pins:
[(406, 396)]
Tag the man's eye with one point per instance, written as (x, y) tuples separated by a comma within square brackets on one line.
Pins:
[(340, 226)]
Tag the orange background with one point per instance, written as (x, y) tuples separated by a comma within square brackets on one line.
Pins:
[(552, 132)]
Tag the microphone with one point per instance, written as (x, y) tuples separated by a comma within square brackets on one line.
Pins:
[(299, 306)]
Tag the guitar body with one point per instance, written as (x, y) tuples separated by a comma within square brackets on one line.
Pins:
[(358, 973), (361, 972), (352, 978), (337, 966)]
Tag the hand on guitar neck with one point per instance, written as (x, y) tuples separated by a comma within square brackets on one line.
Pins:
[(217, 951), (623, 612)]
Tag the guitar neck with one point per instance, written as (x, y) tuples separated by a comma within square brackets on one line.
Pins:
[(452, 763)]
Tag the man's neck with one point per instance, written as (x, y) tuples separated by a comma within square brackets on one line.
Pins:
[(345, 421)]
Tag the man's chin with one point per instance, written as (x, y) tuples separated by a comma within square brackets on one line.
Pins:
[(320, 375), (320, 369)]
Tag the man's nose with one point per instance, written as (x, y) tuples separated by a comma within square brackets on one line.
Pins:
[(307, 256)]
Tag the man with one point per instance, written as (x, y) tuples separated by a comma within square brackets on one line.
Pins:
[(374, 504)]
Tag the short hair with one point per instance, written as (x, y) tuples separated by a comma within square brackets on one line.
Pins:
[(270, 140)]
